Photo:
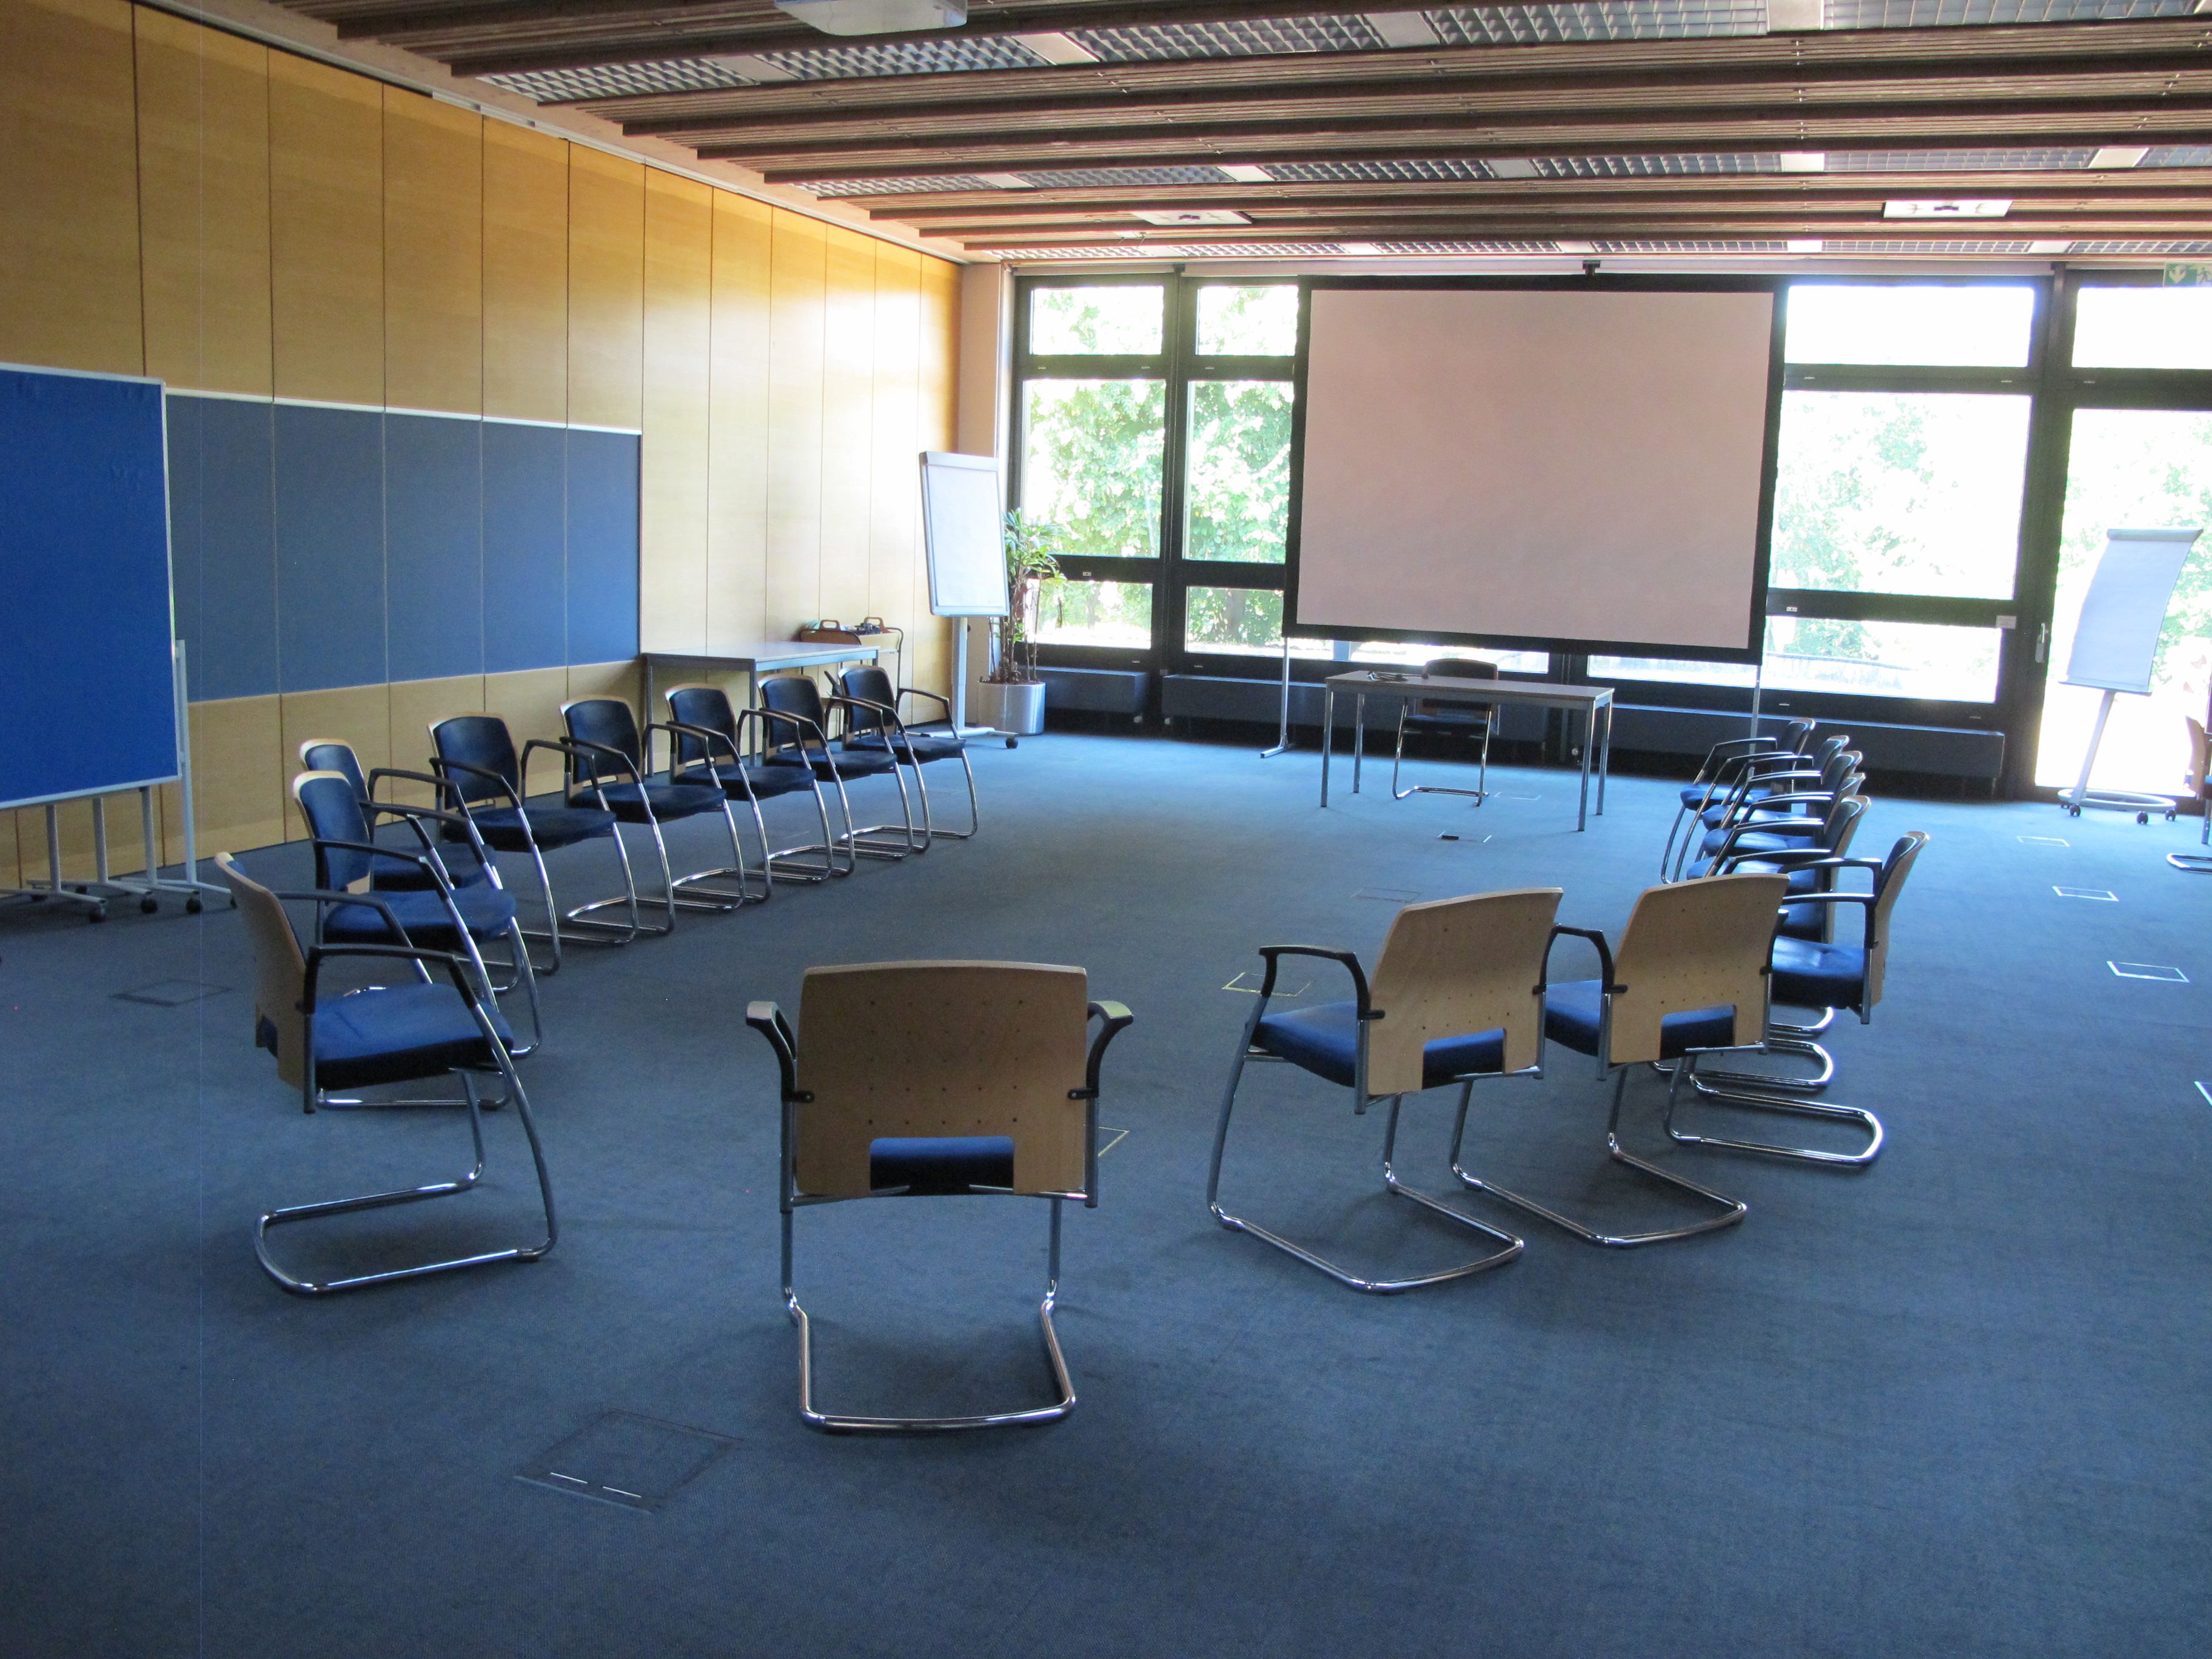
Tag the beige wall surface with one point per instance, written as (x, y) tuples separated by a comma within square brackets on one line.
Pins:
[(179, 202)]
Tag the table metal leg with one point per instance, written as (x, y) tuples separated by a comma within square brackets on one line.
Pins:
[(1358, 737), (1328, 736), (1605, 757), (1589, 733)]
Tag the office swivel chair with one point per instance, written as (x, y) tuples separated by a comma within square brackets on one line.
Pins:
[(1818, 973), (432, 912), (932, 1078), (1458, 996), (1722, 768), (1471, 720), (321, 1040), (1690, 979), (606, 765), (476, 757), (797, 730), (710, 749), (872, 720)]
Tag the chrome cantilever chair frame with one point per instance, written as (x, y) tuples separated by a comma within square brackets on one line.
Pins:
[(1730, 754), (1366, 1016), (1467, 723), (1732, 1211), (875, 840), (790, 856), (582, 774), (502, 1061), (769, 1020), (859, 842), (898, 732), (1767, 786), (589, 928), (709, 738)]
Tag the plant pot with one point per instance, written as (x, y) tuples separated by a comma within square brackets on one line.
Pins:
[(1015, 709)]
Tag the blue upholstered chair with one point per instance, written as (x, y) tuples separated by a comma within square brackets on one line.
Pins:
[(435, 1024), (432, 911), (798, 727), (477, 756), (1817, 972), (1690, 980), (1472, 721), (607, 768), (710, 749), (329, 755), (1796, 815), (912, 1079), (1724, 769), (874, 721), (1458, 996)]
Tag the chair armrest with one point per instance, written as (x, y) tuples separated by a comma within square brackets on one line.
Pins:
[(1604, 955), (798, 720), (1866, 914), (707, 735), (443, 786), (1269, 953), (1796, 858), (1117, 1020), (579, 748), (767, 1019), (1764, 827), (431, 865), (505, 788), (325, 896), (946, 703)]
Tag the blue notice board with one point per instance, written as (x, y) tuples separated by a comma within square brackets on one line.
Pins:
[(88, 701)]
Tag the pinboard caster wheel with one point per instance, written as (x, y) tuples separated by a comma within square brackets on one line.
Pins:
[(2143, 818), (147, 905), (98, 913), (192, 906), (1013, 743)]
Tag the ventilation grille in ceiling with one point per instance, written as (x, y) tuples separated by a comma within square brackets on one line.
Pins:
[(1079, 177), (1692, 247), (1956, 161), (1243, 40), (1462, 247), (619, 80), (2179, 155), (903, 57), (1938, 14), (1372, 172), (2169, 249), (955, 181), (1928, 250), (1599, 20), (1646, 166)]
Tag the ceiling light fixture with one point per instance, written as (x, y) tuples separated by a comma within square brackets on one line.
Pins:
[(2051, 247), (1512, 166), (1360, 250), (1574, 247), (1794, 16), (1804, 160), (1404, 28), (1058, 48), (1191, 216), (1005, 181), (1806, 245), (850, 17), (1245, 174), (1960, 208), (2119, 155)]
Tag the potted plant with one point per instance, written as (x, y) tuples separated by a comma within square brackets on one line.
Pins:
[(1012, 696)]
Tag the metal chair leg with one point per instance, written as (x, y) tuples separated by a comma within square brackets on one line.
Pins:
[(785, 861), (1480, 793), (1350, 1280), (975, 819), (840, 1422), (1749, 1101), (298, 1212), (589, 928), (1732, 1210), (698, 891)]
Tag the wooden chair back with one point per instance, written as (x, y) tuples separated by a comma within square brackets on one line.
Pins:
[(1690, 945), (280, 970), (1887, 884), (1456, 967), (919, 1048)]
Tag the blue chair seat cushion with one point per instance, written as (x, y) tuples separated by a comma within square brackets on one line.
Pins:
[(422, 915), (925, 748), (940, 1164), (394, 1035), (838, 758), (1572, 1011), (1325, 1039), (501, 827), (767, 781), (392, 876), (1759, 841), (662, 801), (1810, 974)]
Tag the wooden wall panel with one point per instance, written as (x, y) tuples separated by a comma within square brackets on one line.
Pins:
[(529, 700), (940, 296), (526, 274), (848, 423), (238, 774), (326, 231), (203, 204), (679, 243), (433, 254), (737, 465), (798, 278), (606, 288), (415, 705), (894, 494), (68, 186), (10, 870)]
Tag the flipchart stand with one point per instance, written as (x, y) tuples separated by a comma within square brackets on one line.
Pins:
[(2116, 645)]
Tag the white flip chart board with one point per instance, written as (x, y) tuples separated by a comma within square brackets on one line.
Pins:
[(962, 535), (2116, 643)]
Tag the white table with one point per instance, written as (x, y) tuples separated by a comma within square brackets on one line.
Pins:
[(1593, 700), (754, 659)]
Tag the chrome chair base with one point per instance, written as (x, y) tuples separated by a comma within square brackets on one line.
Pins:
[(1732, 1210), (840, 1422), (1852, 1114), (2195, 863), (298, 1212), (1481, 792), (1513, 1245), (1712, 1084)]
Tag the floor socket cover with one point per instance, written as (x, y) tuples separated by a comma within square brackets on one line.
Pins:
[(622, 1458)]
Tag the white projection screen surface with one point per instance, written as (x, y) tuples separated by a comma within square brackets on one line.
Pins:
[(1576, 467)]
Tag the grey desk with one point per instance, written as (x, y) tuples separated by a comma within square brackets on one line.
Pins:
[(754, 659), (1594, 701)]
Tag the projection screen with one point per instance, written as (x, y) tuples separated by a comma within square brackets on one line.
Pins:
[(1559, 467)]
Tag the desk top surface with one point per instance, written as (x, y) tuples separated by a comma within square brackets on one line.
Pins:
[(1501, 690), (771, 653)]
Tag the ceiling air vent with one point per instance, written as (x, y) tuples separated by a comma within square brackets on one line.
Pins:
[(848, 17), (1187, 216)]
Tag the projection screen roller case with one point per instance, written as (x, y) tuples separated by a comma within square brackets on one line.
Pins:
[(1573, 468)]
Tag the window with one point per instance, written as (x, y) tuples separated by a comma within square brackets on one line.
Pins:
[(1090, 464), (1982, 324), (2142, 328), (1115, 614), (1116, 319), (1241, 622), (1247, 322), (1237, 497)]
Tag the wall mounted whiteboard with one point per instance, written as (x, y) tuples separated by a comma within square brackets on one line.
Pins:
[(962, 534), (86, 673), (2116, 643)]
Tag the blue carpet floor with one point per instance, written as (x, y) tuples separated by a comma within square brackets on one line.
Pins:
[(1955, 1406)]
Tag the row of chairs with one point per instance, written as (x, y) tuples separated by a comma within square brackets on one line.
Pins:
[(1462, 994), (435, 899)]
